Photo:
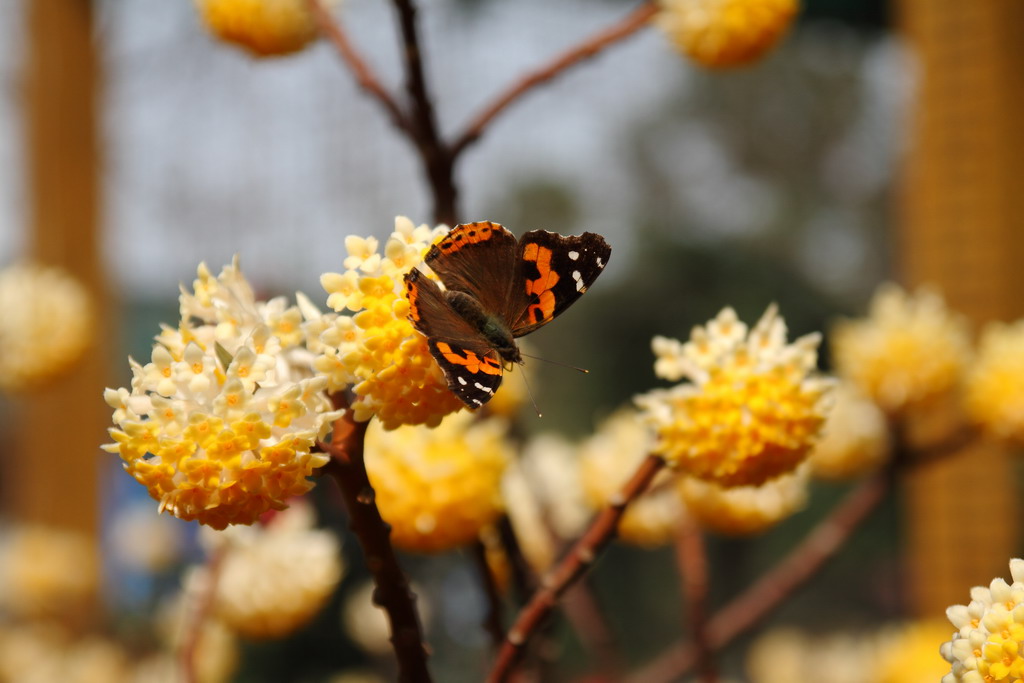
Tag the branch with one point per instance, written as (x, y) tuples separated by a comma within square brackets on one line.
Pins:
[(691, 556), (196, 620), (391, 586), (523, 578), (436, 155), (586, 618), (364, 75), (772, 589), (589, 48), (492, 619), (571, 568)]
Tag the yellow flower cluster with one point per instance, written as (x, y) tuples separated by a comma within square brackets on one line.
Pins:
[(894, 653), (745, 510), (753, 407), (221, 423), (988, 644), (544, 498), (994, 392), (265, 28), (438, 488), (909, 351), (275, 577), (608, 459), (377, 351), (47, 572), (46, 327), (37, 653), (366, 623), (855, 438), (725, 33), (907, 653)]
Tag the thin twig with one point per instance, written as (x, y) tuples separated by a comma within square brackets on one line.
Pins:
[(197, 615), (586, 618), (572, 567), (802, 563), (435, 154), (691, 556), (523, 578), (364, 75), (391, 587), (589, 48), (492, 619), (579, 604)]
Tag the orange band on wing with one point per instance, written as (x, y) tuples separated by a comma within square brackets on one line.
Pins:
[(542, 286), (412, 293), (468, 233), (473, 362)]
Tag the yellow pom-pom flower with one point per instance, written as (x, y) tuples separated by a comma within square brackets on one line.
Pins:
[(544, 498), (994, 391), (894, 653), (907, 653), (46, 327), (366, 623), (38, 652), (725, 33), (221, 423), (376, 351), (753, 407), (265, 28), (855, 437), (988, 644), (909, 351), (438, 488), (745, 510), (606, 462), (276, 576), (47, 572)]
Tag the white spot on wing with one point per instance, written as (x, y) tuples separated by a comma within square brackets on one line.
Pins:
[(481, 387), (574, 255), (600, 263), (462, 381), (579, 280)]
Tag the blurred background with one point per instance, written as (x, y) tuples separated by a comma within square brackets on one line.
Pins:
[(878, 141)]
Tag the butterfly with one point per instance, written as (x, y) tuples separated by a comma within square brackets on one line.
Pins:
[(497, 288)]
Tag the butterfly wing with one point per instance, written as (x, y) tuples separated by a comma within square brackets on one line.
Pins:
[(471, 367), (478, 259), (552, 272)]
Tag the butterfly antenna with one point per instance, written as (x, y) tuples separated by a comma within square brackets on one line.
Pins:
[(558, 363), (529, 392)]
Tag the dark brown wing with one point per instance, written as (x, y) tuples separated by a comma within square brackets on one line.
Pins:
[(478, 259), (553, 271), (471, 367)]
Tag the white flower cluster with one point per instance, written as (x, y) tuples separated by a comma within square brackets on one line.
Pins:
[(220, 424), (988, 644)]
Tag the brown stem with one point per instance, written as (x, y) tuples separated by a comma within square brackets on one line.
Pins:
[(197, 618), (364, 75), (586, 618), (587, 49), (771, 590), (492, 619), (692, 558), (438, 160), (392, 591), (571, 568), (523, 578)]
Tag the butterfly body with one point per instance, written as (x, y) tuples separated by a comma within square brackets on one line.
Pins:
[(496, 289), (491, 327)]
